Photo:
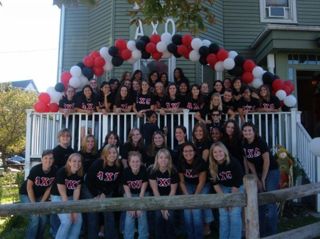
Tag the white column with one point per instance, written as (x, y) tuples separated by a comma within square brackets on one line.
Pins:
[(171, 66), (271, 63), (219, 75)]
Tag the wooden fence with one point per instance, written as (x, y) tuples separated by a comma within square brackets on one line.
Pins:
[(250, 200)]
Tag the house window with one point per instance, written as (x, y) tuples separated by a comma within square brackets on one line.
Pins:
[(278, 11)]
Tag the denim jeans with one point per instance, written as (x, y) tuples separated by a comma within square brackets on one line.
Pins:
[(67, 229), (207, 213), (164, 229), (193, 218), (129, 225), (230, 219), (37, 223), (268, 215)]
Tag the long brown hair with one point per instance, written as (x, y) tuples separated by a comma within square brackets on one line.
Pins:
[(83, 148), (167, 154), (213, 166), (105, 154)]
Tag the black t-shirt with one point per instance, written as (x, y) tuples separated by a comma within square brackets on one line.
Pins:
[(273, 103), (64, 103), (230, 175), (127, 147), (159, 101), (250, 106), (41, 180), (226, 106), (134, 181), (87, 104), (202, 146), (194, 105), (88, 159), (235, 149), (144, 102), (191, 172), (172, 103), (103, 179), (71, 182), (164, 180), (254, 151), (110, 100), (147, 130), (124, 104), (61, 155)]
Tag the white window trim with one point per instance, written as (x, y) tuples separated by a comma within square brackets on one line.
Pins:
[(293, 13)]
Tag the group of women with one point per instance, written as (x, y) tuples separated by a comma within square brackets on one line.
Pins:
[(138, 168)]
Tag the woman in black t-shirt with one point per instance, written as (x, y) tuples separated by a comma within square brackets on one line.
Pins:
[(159, 95), (37, 189), (144, 100), (106, 98), (88, 152), (181, 138), (172, 103), (201, 140), (226, 177), (195, 102), (264, 167), (268, 102), (123, 101), (163, 179), (67, 103), (67, 187)]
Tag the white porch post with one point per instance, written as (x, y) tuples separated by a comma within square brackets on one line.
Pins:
[(27, 162), (219, 75), (294, 120), (317, 158), (271, 63), (172, 61)]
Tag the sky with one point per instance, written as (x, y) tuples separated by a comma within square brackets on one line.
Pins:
[(29, 41)]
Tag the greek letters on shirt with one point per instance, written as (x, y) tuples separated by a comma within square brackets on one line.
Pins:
[(143, 100), (252, 153), (224, 175), (107, 176), (164, 182), (136, 184), (87, 106), (189, 174), (71, 184), (43, 181), (193, 106), (172, 105)]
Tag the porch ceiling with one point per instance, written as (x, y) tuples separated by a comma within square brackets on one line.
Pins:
[(286, 38)]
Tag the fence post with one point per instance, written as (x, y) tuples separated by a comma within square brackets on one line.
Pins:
[(251, 210), (27, 162), (186, 120), (294, 120)]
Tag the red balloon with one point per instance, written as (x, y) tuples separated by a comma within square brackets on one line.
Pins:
[(182, 50), (94, 54), (98, 71), (247, 77), (125, 54), (186, 40), (277, 84), (156, 55), (44, 98), (65, 78), (212, 59), (290, 85), (187, 53), (88, 61), (39, 107), (151, 47), (99, 61), (287, 89), (53, 107), (222, 54), (155, 38), (120, 44), (248, 65)]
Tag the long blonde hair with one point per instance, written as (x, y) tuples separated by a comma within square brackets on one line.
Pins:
[(68, 168), (105, 154), (211, 106), (83, 148), (167, 154), (213, 166)]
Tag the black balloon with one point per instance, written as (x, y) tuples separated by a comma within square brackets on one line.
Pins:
[(239, 60), (236, 71), (113, 51), (214, 48), (177, 39), (140, 45), (88, 72), (172, 48), (204, 51), (203, 60), (145, 55), (146, 39), (267, 78), (81, 65), (59, 87), (177, 55), (117, 61)]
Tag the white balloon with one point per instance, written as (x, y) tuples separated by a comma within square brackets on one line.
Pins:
[(219, 66), (131, 45), (136, 54), (166, 54), (228, 63), (75, 82), (108, 66), (290, 101), (55, 96), (132, 60), (256, 83), (75, 71), (84, 81), (257, 72), (206, 42), (233, 54), (194, 55), (104, 51), (196, 43), (51, 90), (161, 46), (315, 146), (281, 94), (166, 37)]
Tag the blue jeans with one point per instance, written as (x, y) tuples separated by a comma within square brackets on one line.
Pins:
[(164, 229), (230, 219), (129, 225), (207, 213), (37, 223), (67, 229), (193, 218), (268, 215)]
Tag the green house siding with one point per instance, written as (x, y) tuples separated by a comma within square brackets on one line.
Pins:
[(308, 12)]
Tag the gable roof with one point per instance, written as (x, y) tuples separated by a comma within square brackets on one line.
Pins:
[(23, 84)]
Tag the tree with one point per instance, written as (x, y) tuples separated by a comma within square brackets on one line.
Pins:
[(187, 14), (13, 105)]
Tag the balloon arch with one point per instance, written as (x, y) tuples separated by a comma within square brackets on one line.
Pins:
[(164, 46)]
